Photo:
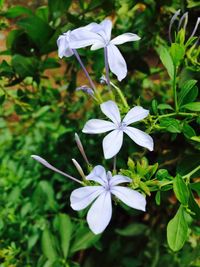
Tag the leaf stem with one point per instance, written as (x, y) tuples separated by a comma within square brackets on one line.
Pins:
[(192, 172), (182, 114), (174, 90), (123, 99)]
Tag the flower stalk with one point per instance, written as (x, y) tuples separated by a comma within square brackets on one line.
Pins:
[(107, 66), (87, 74)]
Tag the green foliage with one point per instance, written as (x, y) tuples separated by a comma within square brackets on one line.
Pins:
[(40, 111), (167, 61), (177, 230)]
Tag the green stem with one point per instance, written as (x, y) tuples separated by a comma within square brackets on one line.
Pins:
[(183, 114), (192, 172), (186, 177), (174, 90), (123, 99), (114, 164), (98, 96)]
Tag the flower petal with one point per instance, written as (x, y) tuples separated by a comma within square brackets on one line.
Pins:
[(139, 137), (99, 215), (112, 143), (119, 179), (96, 126), (63, 46), (97, 45), (125, 37), (82, 197), (82, 37), (117, 63), (135, 114), (106, 25), (130, 197), (110, 109), (103, 30), (98, 174)]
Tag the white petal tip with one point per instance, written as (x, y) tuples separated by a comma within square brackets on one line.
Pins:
[(96, 232), (120, 78), (150, 148)]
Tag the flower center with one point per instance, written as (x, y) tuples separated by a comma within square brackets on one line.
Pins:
[(107, 187), (122, 126)]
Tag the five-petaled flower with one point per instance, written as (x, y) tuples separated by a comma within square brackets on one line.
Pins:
[(112, 143), (100, 212), (99, 36)]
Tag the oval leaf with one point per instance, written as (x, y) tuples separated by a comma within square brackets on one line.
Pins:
[(195, 106), (186, 87), (65, 230), (48, 245), (177, 230), (181, 190), (166, 59)]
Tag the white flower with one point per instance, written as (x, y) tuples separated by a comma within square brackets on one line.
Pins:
[(113, 141), (100, 212), (64, 49), (99, 36)]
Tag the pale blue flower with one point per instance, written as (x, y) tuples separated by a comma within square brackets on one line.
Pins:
[(100, 212), (99, 36), (112, 143)]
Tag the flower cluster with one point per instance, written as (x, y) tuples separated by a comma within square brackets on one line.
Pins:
[(98, 36), (98, 187)]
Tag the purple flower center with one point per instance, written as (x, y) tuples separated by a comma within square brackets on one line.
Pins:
[(122, 126)]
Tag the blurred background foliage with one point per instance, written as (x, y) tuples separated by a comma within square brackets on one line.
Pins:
[(40, 111)]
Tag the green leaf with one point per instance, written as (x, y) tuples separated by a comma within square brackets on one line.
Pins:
[(171, 125), (44, 193), (131, 164), (177, 52), (133, 229), (187, 86), (83, 240), (25, 66), (2, 98), (37, 29), (157, 197), (162, 174), (49, 63), (164, 106), (58, 7), (166, 59), (48, 245), (43, 13), (17, 11), (154, 105), (195, 138), (188, 131), (5, 69), (195, 106), (65, 231), (196, 187), (181, 190), (177, 230), (1, 3)]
